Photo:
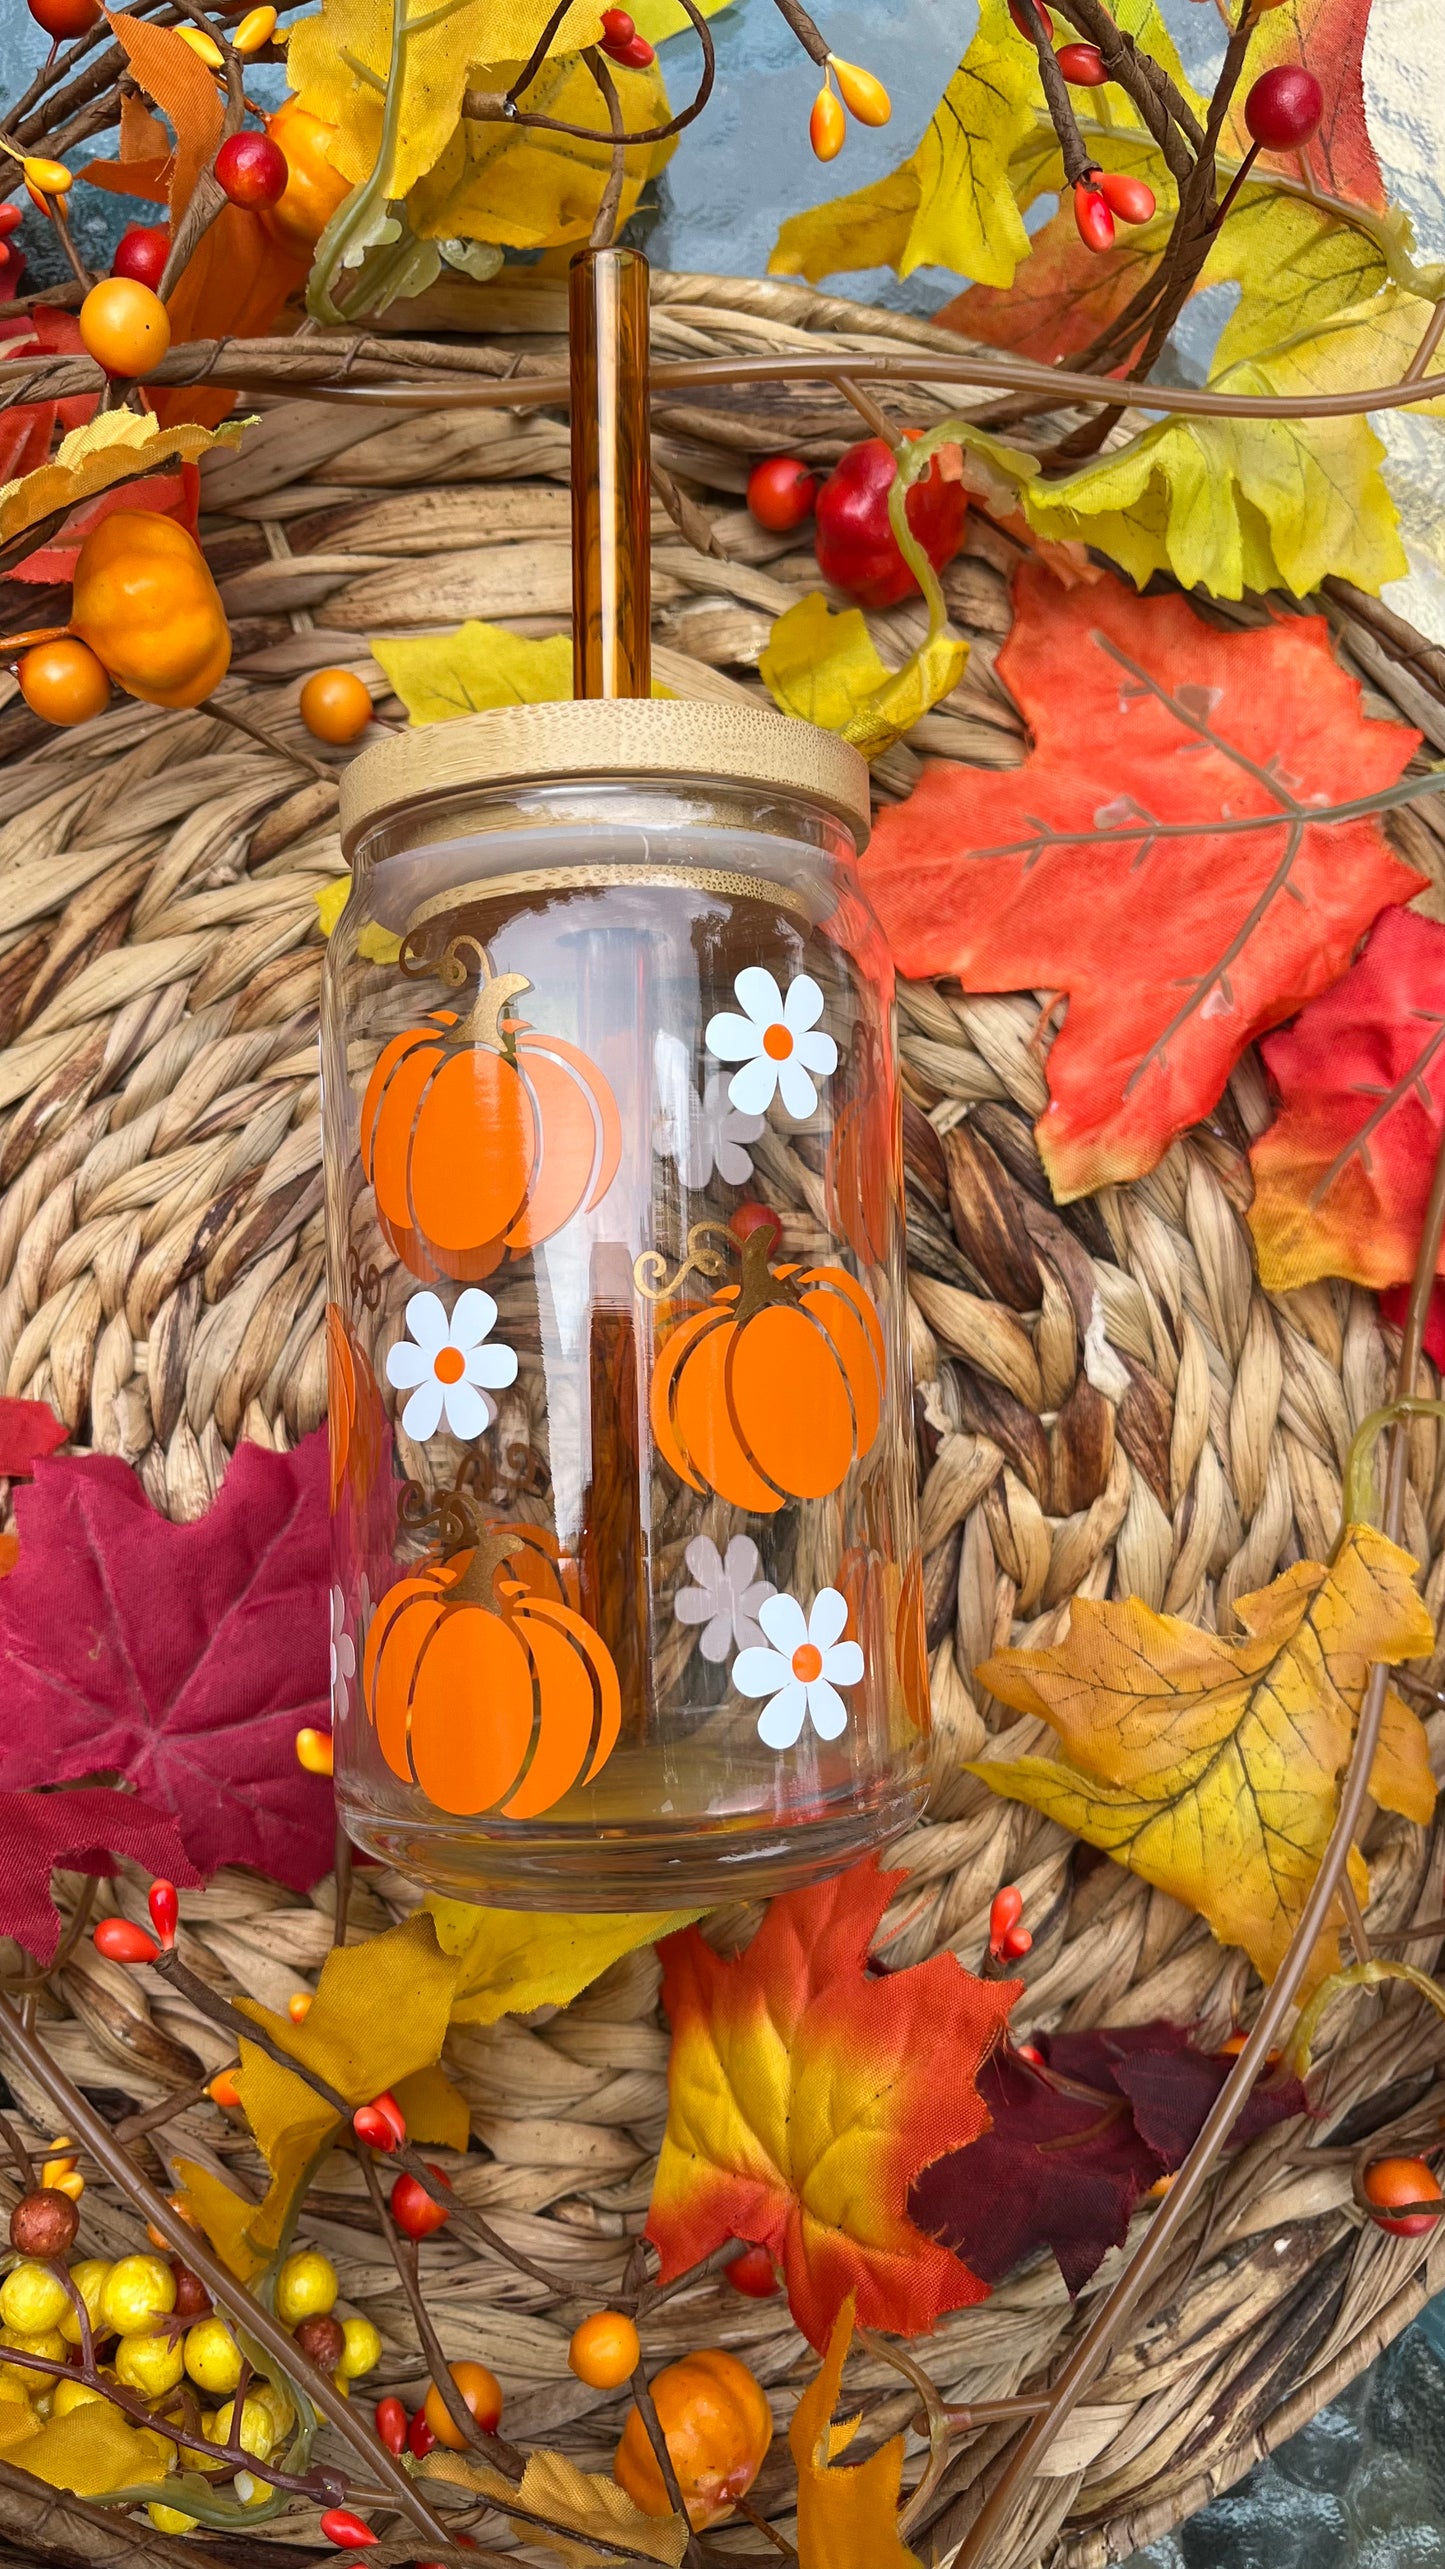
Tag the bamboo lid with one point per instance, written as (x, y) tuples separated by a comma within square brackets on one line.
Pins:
[(641, 737)]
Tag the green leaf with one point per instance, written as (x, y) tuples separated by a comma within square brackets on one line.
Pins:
[(824, 668)]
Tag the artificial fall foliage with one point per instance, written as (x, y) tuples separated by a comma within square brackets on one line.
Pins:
[(1343, 1173), (441, 676), (81, 1832), (1177, 774), (804, 2095), (29, 1430), (116, 446), (1211, 1767), (509, 1961), (825, 668), (589, 2502), (847, 2512), (181, 1658), (1077, 2140)]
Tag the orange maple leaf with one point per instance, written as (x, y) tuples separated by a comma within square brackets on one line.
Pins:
[(1189, 854), (804, 2096)]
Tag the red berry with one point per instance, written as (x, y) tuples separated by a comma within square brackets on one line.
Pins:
[(1005, 1911), (391, 2423), (11, 218), (854, 541), (63, 19), (1016, 1944), (1092, 215), (165, 1908), (1285, 108), (751, 1217), (781, 492), (322, 2340), (416, 2213), (141, 254), (1022, 14), (753, 2273), (119, 1941), (192, 2299), (252, 170), (346, 2530), (617, 27), (44, 2224), (633, 55), (1397, 2181), (1030, 2052), (1127, 197), (419, 2436), (1082, 66), (381, 2124)]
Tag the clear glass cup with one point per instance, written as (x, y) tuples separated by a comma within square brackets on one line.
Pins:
[(627, 1603)]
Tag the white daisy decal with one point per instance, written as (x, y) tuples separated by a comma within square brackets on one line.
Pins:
[(700, 1133), (778, 1041), (447, 1367), (803, 1670), (728, 1597), (343, 1659)]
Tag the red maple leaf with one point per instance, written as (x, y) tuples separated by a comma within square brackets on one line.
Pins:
[(176, 495), (1187, 856), (1077, 2142), (27, 429), (28, 1429), (182, 1658), (82, 1832), (1342, 1175), (804, 2095)]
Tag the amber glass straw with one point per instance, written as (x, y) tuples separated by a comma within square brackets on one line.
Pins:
[(611, 482)]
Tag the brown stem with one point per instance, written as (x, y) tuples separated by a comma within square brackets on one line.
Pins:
[(871, 411), (135, 2126), (813, 42), (81, 2121), (208, 198), (1235, 184), (604, 226), (491, 107), (301, 758), (1079, 161), (493, 2448), (647, 2411), (1094, 2347), (18, 2152), (1169, 117)]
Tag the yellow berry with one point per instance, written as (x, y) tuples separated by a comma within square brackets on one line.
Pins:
[(51, 178), (251, 2491), (604, 2352), (69, 2395), (35, 2341), (89, 2278), (305, 2285), (299, 2005), (204, 46), (827, 126), (212, 2356), (255, 30), (31, 2297), (361, 2352), (149, 2360), (315, 1753), (863, 96), (170, 2519), (137, 2290), (257, 2428), (276, 2400)]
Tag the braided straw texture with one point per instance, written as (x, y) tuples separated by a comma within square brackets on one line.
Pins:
[(161, 1285)]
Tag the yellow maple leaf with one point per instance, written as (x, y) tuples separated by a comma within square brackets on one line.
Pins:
[(225, 2216), (117, 446), (535, 190), (590, 2502), (379, 2016), (93, 2450), (509, 1961), (441, 676), (847, 2519), (1211, 1767), (825, 668)]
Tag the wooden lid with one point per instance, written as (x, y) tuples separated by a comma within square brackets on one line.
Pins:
[(638, 737)]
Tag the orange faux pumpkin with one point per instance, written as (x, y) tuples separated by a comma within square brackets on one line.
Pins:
[(481, 1137), (144, 599), (355, 1416), (773, 1390), (717, 2427), (490, 1697)]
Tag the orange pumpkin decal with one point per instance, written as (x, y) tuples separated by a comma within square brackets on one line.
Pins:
[(773, 1390), (486, 1693), (355, 1414), (481, 1137)]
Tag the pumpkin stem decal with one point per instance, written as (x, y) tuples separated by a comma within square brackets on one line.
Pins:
[(773, 1390), (480, 1136), (489, 1694)]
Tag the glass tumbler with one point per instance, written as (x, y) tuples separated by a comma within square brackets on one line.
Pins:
[(627, 1606)]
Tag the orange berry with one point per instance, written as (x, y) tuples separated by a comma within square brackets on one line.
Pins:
[(125, 326), (862, 95), (223, 2089), (298, 2006), (63, 682), (604, 2351), (827, 126), (203, 46), (335, 705), (1398, 2181), (314, 1752), (47, 178), (483, 2395), (717, 2424)]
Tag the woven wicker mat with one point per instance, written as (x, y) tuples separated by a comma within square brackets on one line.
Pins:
[(161, 1285)]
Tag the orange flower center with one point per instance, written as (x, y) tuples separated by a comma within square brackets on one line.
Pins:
[(777, 1043), (450, 1365), (807, 1662)]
